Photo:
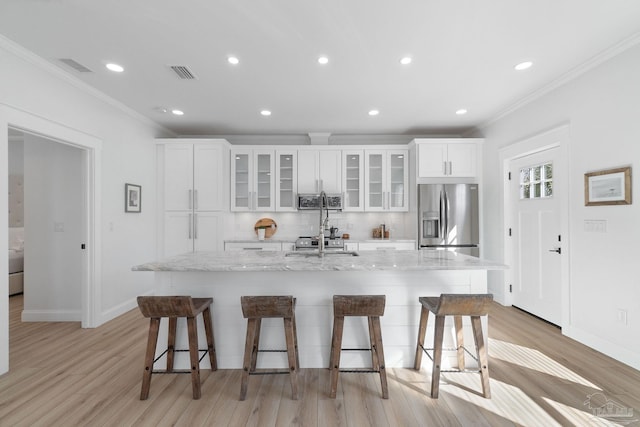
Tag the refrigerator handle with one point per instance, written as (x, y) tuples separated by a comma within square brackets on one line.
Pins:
[(442, 214)]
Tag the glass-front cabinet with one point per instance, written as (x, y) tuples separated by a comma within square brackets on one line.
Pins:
[(386, 180), (252, 188), (353, 180), (286, 180)]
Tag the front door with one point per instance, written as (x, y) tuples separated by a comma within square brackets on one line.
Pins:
[(537, 241)]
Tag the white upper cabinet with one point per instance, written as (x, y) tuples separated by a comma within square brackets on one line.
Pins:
[(252, 176), (193, 177), (286, 180), (353, 180), (440, 157), (319, 170), (386, 180)]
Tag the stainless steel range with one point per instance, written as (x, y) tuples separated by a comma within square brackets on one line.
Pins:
[(308, 242)]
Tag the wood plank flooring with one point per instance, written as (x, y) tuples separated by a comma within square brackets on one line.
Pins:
[(62, 375)]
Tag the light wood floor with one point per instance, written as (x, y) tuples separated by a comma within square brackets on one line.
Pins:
[(63, 375)]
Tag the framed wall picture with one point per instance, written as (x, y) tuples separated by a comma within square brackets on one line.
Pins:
[(132, 198), (608, 187)]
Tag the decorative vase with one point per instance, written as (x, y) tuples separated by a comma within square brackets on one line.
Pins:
[(261, 232)]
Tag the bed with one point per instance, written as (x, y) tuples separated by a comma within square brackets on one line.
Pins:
[(16, 260)]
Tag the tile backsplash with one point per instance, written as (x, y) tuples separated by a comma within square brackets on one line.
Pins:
[(359, 225)]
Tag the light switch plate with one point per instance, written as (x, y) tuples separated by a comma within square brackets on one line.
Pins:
[(595, 225)]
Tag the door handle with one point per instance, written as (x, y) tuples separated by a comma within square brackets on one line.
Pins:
[(557, 250)]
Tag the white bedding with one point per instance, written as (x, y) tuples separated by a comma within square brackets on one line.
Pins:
[(16, 261)]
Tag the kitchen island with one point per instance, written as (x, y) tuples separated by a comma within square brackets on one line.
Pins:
[(403, 276)]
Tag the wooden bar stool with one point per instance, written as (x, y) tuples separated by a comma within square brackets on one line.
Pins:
[(256, 308), (456, 305), (173, 307), (371, 306)]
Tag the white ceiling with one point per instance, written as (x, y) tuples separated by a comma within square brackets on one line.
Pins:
[(463, 55)]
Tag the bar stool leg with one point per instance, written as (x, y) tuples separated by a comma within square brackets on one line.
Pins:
[(256, 345), (457, 320), (336, 346), (211, 345), (193, 356), (295, 339), (483, 359), (375, 364), (171, 342), (377, 333), (291, 354), (422, 331), (154, 327), (437, 356), (248, 355)]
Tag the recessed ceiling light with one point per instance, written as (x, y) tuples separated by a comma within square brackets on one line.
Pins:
[(461, 111), (374, 112), (265, 112), (406, 60), (323, 60), (115, 67), (233, 60), (523, 65), (177, 112)]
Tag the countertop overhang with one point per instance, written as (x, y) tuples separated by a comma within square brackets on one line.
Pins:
[(380, 260)]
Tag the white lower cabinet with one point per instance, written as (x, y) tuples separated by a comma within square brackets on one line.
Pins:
[(188, 232), (387, 246), (253, 246)]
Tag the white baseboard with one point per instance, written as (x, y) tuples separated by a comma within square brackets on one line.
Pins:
[(120, 309), (51, 315), (603, 346)]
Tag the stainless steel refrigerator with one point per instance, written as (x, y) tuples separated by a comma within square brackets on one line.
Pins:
[(448, 217)]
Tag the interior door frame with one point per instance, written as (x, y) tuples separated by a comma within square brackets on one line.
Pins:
[(92, 147), (557, 137)]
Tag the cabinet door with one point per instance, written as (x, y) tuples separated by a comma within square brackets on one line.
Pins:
[(353, 180), (207, 231), (308, 174), (208, 192), (397, 178), (374, 177), (286, 180), (241, 176), (178, 177), (330, 171), (263, 184), (432, 158), (178, 233), (462, 159)]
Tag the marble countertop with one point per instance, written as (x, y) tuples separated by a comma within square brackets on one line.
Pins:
[(285, 261)]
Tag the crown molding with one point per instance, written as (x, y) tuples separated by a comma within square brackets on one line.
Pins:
[(565, 78), (33, 59)]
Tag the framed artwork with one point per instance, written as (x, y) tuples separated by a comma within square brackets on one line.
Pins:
[(608, 187), (132, 198)]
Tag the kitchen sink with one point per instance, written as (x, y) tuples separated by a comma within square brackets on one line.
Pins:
[(316, 254)]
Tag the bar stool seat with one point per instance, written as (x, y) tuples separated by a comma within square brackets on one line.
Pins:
[(172, 307), (372, 307), (254, 309), (456, 305)]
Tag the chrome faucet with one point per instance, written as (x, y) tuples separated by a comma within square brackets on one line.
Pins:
[(323, 205)]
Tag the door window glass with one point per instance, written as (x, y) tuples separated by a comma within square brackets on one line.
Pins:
[(536, 182)]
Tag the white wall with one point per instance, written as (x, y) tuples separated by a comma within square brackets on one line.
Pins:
[(32, 91), (601, 108), (54, 230)]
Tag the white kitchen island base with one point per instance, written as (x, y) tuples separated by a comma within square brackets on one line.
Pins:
[(314, 313)]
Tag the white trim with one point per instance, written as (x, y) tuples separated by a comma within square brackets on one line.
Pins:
[(27, 122), (121, 309), (51, 315), (604, 346), (58, 72), (565, 78), (557, 137)]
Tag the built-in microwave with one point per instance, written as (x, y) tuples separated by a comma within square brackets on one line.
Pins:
[(312, 202)]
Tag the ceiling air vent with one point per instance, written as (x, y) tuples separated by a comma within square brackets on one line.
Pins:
[(183, 72), (75, 65)]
